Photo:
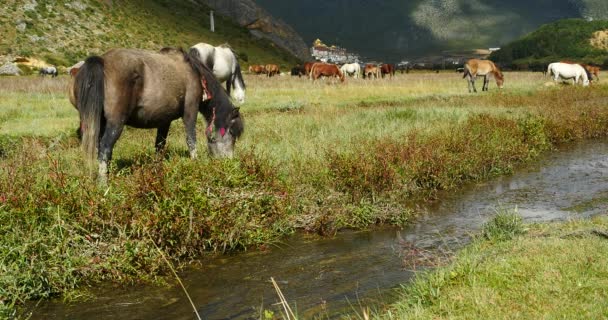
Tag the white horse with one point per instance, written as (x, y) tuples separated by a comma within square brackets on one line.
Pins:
[(568, 71), (225, 66), (351, 69), (52, 71)]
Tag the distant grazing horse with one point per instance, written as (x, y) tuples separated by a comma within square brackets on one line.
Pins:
[(272, 69), (326, 70), (308, 67), (568, 71), (257, 69), (298, 71), (351, 69), (485, 68), (387, 68), (146, 89), (52, 71), (591, 70), (370, 71), (225, 66)]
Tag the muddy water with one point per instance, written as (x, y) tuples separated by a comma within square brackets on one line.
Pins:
[(333, 277)]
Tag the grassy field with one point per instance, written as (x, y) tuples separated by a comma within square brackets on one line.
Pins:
[(516, 271), (318, 157)]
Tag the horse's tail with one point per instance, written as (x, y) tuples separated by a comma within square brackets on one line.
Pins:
[(549, 70), (89, 93)]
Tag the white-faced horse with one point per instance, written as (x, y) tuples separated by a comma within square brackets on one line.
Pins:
[(351, 69), (225, 66), (568, 71)]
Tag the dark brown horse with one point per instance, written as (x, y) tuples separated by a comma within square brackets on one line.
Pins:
[(387, 69), (145, 89)]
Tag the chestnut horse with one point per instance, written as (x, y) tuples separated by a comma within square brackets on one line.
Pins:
[(485, 68), (326, 70), (308, 67), (146, 89), (257, 69), (371, 70), (387, 68), (272, 69)]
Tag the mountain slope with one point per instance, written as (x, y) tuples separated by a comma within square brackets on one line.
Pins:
[(261, 24), (572, 39), (63, 32), (396, 29)]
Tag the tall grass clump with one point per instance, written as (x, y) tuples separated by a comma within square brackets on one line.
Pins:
[(504, 226)]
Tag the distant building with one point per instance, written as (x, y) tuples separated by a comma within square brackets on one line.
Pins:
[(322, 52), (493, 49)]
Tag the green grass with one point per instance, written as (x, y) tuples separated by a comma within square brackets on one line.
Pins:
[(554, 271), (317, 157)]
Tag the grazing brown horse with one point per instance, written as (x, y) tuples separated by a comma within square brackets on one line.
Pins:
[(326, 70), (387, 68), (371, 70), (272, 69), (485, 68), (146, 89), (308, 67), (257, 69)]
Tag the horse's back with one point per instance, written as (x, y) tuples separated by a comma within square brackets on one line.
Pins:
[(155, 85)]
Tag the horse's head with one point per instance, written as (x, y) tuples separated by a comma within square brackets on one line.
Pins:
[(225, 127), (239, 94), (500, 80)]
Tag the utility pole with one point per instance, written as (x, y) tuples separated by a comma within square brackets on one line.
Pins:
[(211, 21)]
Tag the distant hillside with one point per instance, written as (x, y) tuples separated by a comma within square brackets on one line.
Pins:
[(396, 29), (573, 39), (63, 32)]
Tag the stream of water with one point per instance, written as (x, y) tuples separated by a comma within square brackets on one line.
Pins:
[(327, 278)]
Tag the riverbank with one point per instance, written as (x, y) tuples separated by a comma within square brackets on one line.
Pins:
[(517, 271), (316, 157)]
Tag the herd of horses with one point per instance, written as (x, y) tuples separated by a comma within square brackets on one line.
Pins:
[(151, 89)]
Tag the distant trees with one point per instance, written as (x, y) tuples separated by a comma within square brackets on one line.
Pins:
[(563, 39)]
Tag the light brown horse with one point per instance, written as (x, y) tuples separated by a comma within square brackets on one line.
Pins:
[(371, 70), (257, 69), (485, 68), (146, 89), (325, 70), (272, 69)]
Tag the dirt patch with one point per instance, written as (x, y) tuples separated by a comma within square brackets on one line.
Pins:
[(600, 40)]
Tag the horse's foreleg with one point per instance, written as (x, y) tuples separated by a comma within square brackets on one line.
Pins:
[(189, 119), (111, 133), (161, 137)]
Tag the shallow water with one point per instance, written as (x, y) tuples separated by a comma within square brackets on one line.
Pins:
[(332, 277)]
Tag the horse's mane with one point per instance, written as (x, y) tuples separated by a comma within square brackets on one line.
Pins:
[(221, 101)]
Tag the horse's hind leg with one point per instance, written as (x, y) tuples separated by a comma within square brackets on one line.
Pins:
[(161, 137), (111, 133)]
